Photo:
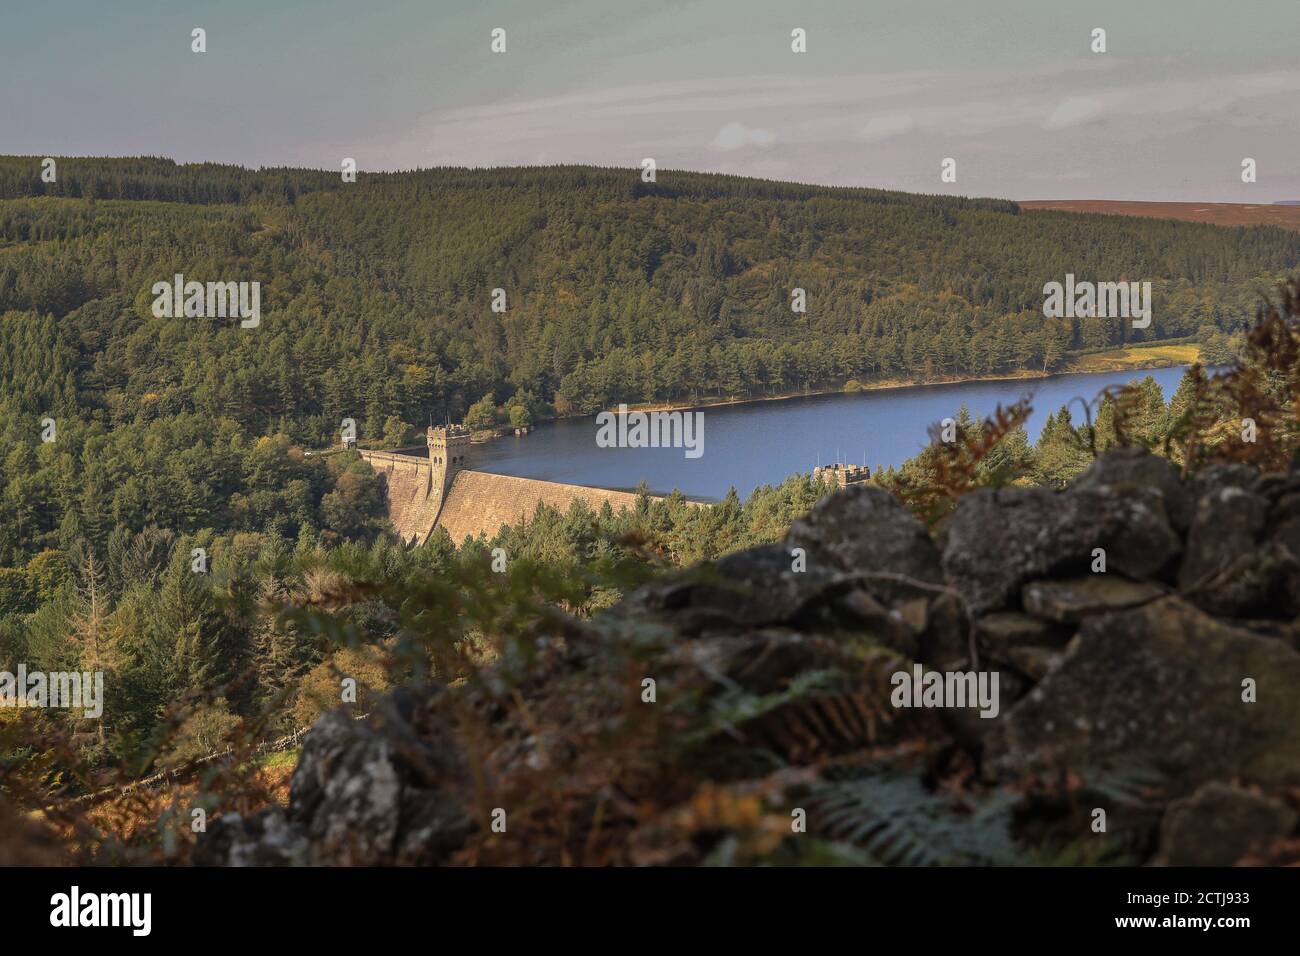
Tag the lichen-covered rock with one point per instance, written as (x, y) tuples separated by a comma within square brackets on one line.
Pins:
[(1230, 567), (1287, 535), (1219, 824), (1182, 657), (1073, 599), (1124, 470), (1034, 662), (1217, 477), (945, 642), (1229, 523), (365, 793), (267, 839), (1162, 686), (346, 791), (1000, 631), (865, 530), (996, 540), (748, 589)]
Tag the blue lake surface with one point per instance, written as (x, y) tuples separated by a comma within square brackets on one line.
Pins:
[(765, 442)]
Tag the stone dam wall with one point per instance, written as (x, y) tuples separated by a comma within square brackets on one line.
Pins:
[(479, 501), (411, 508), (475, 502)]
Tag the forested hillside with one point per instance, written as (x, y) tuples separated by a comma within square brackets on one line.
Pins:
[(378, 293), (376, 303), (136, 446)]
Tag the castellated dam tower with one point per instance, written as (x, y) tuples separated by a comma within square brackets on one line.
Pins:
[(449, 450)]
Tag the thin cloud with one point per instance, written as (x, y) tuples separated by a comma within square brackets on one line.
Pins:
[(1074, 111), (738, 136), (815, 128), (880, 128)]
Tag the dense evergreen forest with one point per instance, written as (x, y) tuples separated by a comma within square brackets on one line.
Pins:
[(377, 294), (377, 303), (176, 434)]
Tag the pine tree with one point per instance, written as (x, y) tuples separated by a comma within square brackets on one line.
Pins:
[(88, 621), (187, 623)]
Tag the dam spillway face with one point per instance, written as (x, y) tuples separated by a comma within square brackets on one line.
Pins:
[(411, 508), (475, 501)]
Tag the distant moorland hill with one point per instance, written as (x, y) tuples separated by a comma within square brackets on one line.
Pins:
[(1285, 215)]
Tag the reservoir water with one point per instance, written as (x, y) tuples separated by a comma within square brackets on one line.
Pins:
[(760, 443)]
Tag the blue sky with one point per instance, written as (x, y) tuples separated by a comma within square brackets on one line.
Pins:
[(886, 91)]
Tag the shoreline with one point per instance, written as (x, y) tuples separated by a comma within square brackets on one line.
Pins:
[(898, 384), (1102, 366)]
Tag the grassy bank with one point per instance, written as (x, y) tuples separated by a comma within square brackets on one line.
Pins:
[(1154, 356)]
